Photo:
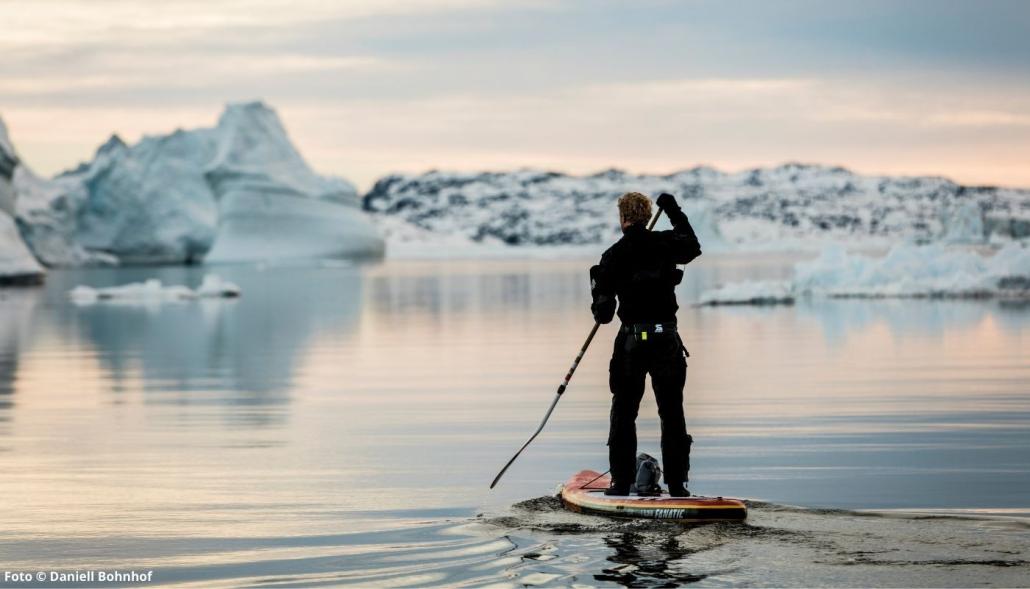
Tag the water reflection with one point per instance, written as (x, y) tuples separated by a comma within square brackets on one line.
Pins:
[(18, 309), (331, 401), (905, 318), (240, 354), (647, 560), (463, 287)]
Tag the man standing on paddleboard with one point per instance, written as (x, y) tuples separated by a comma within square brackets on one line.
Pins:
[(639, 273)]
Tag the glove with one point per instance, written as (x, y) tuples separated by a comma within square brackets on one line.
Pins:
[(667, 202)]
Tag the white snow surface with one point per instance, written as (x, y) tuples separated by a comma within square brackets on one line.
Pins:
[(795, 206), (169, 198), (964, 223), (153, 291), (906, 271)]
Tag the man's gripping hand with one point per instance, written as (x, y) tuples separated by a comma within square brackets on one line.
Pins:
[(667, 202)]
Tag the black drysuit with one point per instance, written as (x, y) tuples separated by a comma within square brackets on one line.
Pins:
[(640, 271)]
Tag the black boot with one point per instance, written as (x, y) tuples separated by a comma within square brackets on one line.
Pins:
[(617, 489), (678, 490)]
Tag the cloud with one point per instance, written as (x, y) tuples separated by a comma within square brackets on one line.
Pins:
[(186, 69), (979, 118), (368, 87), (71, 22)]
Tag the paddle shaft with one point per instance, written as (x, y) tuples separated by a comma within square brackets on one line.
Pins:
[(564, 384)]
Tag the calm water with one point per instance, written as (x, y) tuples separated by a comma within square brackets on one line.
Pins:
[(340, 425)]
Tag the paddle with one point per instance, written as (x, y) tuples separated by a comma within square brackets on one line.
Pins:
[(564, 384)]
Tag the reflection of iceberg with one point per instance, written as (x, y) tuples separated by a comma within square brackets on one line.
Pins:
[(241, 356), (493, 288), (905, 318), (17, 316)]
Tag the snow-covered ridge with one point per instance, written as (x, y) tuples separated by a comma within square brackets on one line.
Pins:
[(793, 203), (907, 271), (176, 198)]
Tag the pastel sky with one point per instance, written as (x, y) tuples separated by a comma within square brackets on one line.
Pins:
[(369, 87)]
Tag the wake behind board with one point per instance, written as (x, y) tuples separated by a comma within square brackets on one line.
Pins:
[(581, 495)]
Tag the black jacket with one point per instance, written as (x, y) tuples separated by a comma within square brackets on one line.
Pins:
[(640, 269)]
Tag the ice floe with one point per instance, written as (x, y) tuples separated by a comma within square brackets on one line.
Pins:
[(906, 271), (153, 291), (765, 292)]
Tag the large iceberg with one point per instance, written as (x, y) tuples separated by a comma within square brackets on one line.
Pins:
[(906, 271), (144, 204), (170, 198), (46, 213), (17, 264), (272, 205)]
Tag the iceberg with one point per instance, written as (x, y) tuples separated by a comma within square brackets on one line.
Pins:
[(906, 271), (144, 204), (152, 291), (916, 271), (170, 199), (150, 203), (17, 264), (46, 216), (272, 206)]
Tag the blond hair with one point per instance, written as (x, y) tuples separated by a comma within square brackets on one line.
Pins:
[(634, 208)]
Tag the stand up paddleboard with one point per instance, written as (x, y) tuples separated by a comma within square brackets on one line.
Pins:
[(584, 493)]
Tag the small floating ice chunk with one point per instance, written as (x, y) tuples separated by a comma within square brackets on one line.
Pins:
[(213, 286), (151, 291), (750, 293)]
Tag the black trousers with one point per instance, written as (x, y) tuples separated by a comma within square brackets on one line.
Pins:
[(661, 356)]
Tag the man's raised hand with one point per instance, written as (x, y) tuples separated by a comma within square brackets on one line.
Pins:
[(666, 202)]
